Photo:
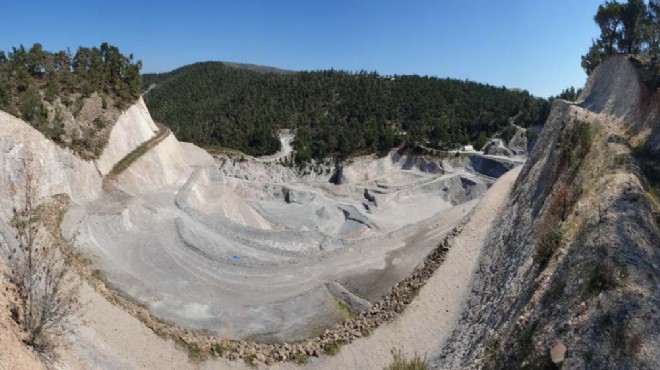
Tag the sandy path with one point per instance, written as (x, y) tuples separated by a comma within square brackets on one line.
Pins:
[(113, 339), (286, 139)]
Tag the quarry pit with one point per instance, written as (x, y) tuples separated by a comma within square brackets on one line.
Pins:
[(248, 248)]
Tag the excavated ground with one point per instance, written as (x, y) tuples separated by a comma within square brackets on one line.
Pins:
[(250, 249)]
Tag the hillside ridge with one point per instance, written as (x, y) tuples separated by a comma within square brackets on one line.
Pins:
[(574, 260), (335, 113)]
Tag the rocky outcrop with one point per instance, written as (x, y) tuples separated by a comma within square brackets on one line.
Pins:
[(497, 147), (57, 170), (353, 302), (574, 257), (617, 90), (520, 143)]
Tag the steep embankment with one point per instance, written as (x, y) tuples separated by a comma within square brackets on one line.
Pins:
[(133, 128), (573, 264), (14, 355), (58, 171)]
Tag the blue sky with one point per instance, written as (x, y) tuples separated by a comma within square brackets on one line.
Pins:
[(535, 45)]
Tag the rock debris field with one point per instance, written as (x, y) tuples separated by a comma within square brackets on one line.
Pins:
[(247, 248)]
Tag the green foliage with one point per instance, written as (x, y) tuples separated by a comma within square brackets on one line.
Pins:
[(576, 143), (634, 17), (335, 112), (585, 135), (627, 28), (332, 348), (300, 358), (32, 109), (548, 244), (217, 350), (343, 309), (481, 141), (650, 167), (652, 31), (508, 133), (131, 157), (569, 94), (194, 351), (609, 20)]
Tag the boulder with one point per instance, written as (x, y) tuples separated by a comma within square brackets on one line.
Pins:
[(558, 353)]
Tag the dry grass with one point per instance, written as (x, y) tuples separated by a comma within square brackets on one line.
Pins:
[(343, 309), (133, 156), (401, 362), (333, 348)]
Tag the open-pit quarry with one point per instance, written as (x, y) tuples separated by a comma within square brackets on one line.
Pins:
[(247, 248), (253, 249)]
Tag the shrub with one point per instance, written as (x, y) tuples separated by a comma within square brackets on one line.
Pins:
[(249, 360), (194, 351), (217, 350), (600, 277), (400, 362), (561, 203), (46, 292), (333, 348), (548, 244)]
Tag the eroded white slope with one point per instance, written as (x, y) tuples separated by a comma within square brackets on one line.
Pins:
[(56, 170), (133, 127)]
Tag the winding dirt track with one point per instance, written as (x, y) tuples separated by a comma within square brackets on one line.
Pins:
[(112, 337)]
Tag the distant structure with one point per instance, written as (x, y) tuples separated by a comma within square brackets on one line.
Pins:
[(496, 142)]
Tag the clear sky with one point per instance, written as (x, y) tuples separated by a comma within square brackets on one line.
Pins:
[(530, 44)]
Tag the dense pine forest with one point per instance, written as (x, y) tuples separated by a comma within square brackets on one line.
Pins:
[(70, 98), (334, 112)]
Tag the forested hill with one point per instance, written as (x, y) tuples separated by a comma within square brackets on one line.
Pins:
[(73, 99), (335, 112)]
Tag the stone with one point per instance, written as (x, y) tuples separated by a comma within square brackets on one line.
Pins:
[(558, 353), (582, 308)]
